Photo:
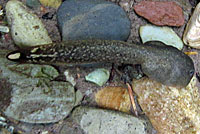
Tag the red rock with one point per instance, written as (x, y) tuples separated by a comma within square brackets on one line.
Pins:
[(161, 13)]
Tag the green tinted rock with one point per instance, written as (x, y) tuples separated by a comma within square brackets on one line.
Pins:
[(28, 94)]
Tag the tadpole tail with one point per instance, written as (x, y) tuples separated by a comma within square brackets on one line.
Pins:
[(16, 56)]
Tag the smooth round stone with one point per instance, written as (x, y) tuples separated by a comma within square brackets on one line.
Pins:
[(26, 28), (162, 34), (92, 19)]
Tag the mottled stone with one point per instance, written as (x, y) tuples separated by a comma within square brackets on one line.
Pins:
[(29, 94), (191, 35), (26, 28), (99, 121), (92, 19), (171, 110), (161, 13)]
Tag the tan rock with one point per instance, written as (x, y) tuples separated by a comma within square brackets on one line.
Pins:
[(26, 28), (116, 98), (171, 110), (191, 35)]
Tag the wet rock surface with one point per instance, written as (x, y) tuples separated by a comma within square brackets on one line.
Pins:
[(161, 13), (191, 34), (95, 121), (85, 19), (26, 28), (28, 93), (171, 110), (88, 89)]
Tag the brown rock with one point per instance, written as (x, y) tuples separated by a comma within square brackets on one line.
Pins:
[(116, 98), (161, 13), (171, 110)]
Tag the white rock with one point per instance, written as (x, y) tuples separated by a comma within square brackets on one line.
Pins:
[(99, 76), (26, 28), (163, 34), (191, 35)]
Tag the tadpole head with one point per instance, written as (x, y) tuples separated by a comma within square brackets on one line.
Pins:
[(171, 67)]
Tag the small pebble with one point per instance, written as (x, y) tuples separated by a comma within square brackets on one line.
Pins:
[(163, 34), (99, 76), (51, 3), (161, 13), (4, 29), (191, 36), (26, 28), (33, 3), (92, 19), (69, 77)]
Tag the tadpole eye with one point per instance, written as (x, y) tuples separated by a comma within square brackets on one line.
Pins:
[(191, 72)]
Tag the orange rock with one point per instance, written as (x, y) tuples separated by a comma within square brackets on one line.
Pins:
[(161, 13), (171, 110), (116, 98)]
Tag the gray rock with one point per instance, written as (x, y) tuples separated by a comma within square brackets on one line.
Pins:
[(99, 121), (28, 93), (89, 19)]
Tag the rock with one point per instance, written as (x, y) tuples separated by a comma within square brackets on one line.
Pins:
[(51, 3), (116, 98), (191, 35), (92, 19), (98, 76), (98, 121), (26, 28), (29, 94), (161, 13), (4, 29), (171, 110), (69, 77), (163, 34), (33, 3)]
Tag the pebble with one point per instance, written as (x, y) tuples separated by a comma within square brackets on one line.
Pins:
[(92, 19), (51, 3), (163, 34), (161, 13), (26, 28), (33, 3), (99, 121), (191, 35), (4, 29), (30, 95), (69, 77), (116, 98), (171, 110), (99, 76)]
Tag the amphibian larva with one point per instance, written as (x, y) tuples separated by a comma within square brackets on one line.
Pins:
[(162, 63)]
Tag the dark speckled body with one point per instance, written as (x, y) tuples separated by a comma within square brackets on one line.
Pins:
[(162, 63)]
